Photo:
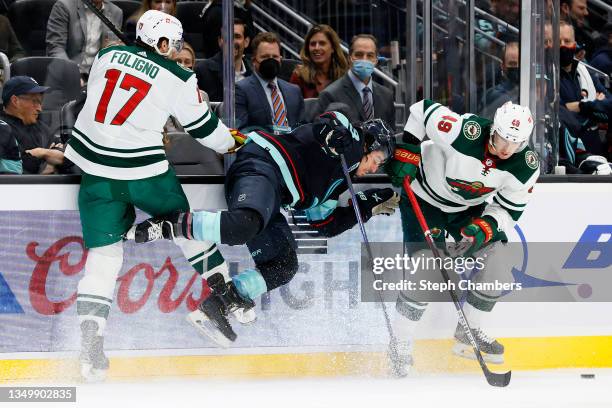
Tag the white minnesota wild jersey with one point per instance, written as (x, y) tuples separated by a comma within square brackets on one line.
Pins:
[(131, 92), (458, 172)]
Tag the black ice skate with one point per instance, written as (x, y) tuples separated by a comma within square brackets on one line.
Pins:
[(156, 228), (94, 363), (211, 316), (492, 350), (400, 358)]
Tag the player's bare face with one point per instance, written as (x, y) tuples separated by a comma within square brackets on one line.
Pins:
[(370, 163), (502, 148)]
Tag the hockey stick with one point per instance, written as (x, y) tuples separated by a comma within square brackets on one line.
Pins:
[(366, 241), (495, 379), (107, 22)]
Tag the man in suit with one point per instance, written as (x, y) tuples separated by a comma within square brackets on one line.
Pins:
[(366, 99), (74, 32), (285, 105), (210, 71)]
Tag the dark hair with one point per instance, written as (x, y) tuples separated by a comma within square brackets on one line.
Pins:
[(265, 36), (339, 63), (362, 37)]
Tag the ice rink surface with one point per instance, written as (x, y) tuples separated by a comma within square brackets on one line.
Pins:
[(542, 389)]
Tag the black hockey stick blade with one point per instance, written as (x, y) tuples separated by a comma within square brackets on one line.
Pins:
[(107, 22), (497, 379)]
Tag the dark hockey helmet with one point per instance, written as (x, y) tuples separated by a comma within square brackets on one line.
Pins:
[(378, 136)]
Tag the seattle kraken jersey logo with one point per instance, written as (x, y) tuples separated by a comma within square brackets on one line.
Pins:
[(468, 190)]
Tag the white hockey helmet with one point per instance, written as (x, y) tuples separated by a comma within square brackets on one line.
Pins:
[(513, 123), (154, 25)]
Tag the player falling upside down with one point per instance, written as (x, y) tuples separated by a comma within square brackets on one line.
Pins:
[(467, 160), (117, 142), (301, 171)]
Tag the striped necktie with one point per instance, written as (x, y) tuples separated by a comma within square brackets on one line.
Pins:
[(368, 108), (280, 115)]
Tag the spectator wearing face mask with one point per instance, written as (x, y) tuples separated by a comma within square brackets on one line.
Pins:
[(167, 6), (582, 93), (576, 12), (356, 89), (508, 88), (285, 105)]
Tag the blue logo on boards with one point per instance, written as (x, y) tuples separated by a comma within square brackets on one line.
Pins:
[(593, 249), (8, 301)]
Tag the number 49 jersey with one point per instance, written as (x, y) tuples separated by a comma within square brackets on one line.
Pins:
[(458, 172), (131, 92)]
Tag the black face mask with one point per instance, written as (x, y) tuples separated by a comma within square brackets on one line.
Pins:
[(513, 75), (269, 69), (566, 55)]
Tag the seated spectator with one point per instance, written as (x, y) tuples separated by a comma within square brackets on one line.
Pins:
[(575, 12), (74, 32), (508, 88), (366, 99), (582, 93), (323, 61), (210, 71), (22, 98), (212, 19), (186, 59), (572, 152), (9, 43), (285, 107), (167, 6), (507, 11), (602, 57)]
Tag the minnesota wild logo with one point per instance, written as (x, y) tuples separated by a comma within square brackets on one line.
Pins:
[(468, 190)]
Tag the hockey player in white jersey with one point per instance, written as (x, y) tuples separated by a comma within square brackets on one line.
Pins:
[(473, 179), (117, 142)]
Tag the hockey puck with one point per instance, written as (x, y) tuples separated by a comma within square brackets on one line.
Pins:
[(587, 376)]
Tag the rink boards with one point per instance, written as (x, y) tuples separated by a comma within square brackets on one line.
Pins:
[(315, 326)]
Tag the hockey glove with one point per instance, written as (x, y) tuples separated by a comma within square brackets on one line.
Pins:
[(175, 225), (406, 159), (475, 235), (337, 137), (596, 165), (238, 136), (377, 201)]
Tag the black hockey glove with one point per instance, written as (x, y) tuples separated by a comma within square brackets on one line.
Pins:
[(337, 137), (377, 201)]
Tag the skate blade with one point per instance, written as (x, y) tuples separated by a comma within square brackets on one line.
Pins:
[(243, 317), (466, 351), (92, 375), (208, 328)]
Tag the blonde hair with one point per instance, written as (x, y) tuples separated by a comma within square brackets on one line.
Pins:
[(339, 63)]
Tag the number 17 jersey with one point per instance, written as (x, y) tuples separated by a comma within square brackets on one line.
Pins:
[(131, 92)]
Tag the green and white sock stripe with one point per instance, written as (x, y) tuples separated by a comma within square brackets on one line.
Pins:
[(92, 305), (410, 309), (481, 301)]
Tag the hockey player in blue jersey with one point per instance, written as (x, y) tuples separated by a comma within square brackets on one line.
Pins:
[(299, 171)]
